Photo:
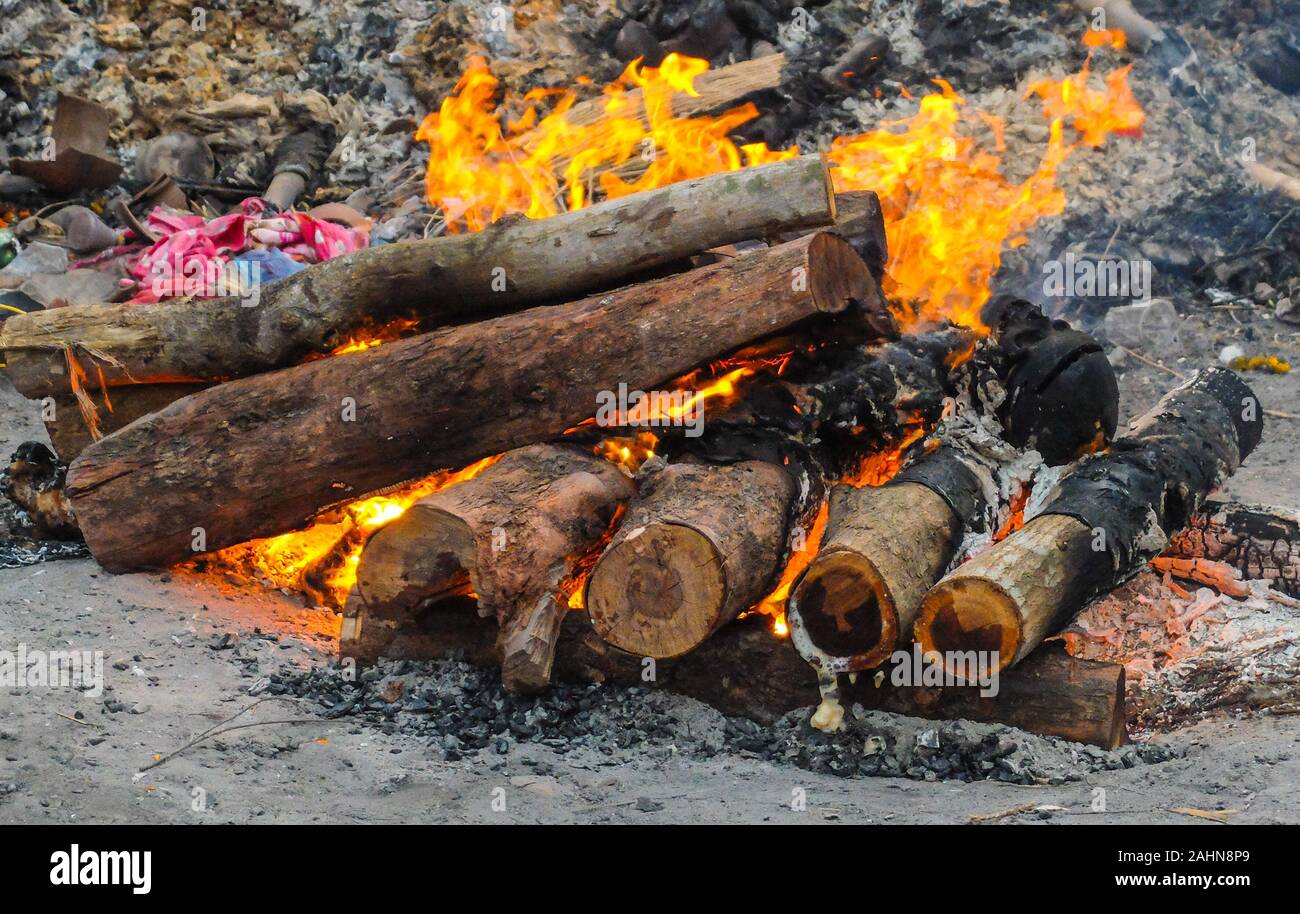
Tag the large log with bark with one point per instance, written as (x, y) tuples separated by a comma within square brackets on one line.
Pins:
[(436, 282), (512, 534), (1104, 523), (114, 408), (261, 455), (697, 548), (883, 548), (744, 670)]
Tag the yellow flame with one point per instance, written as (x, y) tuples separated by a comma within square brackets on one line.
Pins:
[(949, 211)]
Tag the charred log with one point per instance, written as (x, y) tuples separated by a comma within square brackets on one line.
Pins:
[(1262, 543), (1105, 522), (885, 547)]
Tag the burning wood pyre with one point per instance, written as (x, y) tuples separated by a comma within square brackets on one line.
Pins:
[(234, 423)]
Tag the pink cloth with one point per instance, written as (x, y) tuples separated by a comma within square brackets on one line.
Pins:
[(191, 254)]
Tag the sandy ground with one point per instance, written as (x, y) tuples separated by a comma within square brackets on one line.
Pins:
[(161, 636)]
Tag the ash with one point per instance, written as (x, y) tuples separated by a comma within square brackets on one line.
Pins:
[(461, 712)]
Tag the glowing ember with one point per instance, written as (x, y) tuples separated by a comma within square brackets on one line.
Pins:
[(321, 560), (361, 340)]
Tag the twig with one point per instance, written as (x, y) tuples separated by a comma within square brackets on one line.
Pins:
[(214, 731), (77, 720), (1152, 362)]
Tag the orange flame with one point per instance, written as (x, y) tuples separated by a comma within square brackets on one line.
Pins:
[(322, 558), (949, 211)]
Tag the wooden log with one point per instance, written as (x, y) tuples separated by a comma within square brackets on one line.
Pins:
[(436, 281), (883, 549), (744, 670), (261, 455), (699, 545), (67, 427), (1259, 541), (1104, 523), (715, 90), (511, 533)]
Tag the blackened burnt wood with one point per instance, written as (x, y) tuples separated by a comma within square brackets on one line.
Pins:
[(261, 455), (744, 670), (699, 546), (885, 547), (1104, 523), (437, 281), (512, 533)]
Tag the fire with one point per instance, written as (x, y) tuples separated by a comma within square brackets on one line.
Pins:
[(718, 384), (484, 164), (361, 340), (949, 211), (948, 208), (773, 605), (1093, 113), (321, 560)]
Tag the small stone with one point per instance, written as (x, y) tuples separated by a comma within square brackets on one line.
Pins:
[(1288, 310), (645, 804)]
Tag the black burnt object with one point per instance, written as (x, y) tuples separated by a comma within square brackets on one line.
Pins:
[(946, 473), (36, 522), (1158, 474), (1062, 394)]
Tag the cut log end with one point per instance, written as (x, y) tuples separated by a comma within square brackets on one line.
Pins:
[(883, 548), (970, 614), (846, 609), (838, 276), (425, 554), (659, 591)]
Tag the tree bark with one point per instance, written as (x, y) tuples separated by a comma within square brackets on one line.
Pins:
[(261, 455), (699, 546), (69, 432), (1104, 523), (436, 282), (513, 533)]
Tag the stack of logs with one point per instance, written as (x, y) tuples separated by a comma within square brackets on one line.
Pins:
[(226, 423)]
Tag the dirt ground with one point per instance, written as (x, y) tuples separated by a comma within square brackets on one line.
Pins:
[(171, 679)]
